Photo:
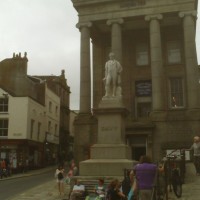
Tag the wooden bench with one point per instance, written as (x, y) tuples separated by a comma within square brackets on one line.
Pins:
[(90, 185)]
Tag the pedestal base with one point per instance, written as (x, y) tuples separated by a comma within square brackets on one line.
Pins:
[(110, 151), (110, 156), (105, 167)]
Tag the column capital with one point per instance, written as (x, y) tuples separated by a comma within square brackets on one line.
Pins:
[(151, 17), (115, 21), (83, 24), (192, 13)]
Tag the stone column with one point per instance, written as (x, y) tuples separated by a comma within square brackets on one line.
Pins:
[(116, 37), (85, 74), (190, 58), (157, 70)]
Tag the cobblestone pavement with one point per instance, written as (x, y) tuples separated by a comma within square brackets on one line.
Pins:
[(191, 188), (49, 191)]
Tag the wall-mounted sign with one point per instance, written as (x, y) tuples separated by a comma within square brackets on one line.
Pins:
[(143, 88)]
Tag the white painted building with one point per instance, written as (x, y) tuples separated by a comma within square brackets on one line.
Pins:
[(34, 115)]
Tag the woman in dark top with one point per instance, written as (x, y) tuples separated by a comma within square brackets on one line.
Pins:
[(114, 192)]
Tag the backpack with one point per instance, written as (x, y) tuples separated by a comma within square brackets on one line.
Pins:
[(60, 176)]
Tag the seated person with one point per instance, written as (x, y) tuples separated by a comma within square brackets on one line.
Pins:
[(99, 191), (114, 192), (77, 191)]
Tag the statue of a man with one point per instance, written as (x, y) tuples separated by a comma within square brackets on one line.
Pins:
[(112, 76)]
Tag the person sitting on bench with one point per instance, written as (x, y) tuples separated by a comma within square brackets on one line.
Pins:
[(78, 191)]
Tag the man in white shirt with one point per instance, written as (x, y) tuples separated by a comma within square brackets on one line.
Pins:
[(78, 190)]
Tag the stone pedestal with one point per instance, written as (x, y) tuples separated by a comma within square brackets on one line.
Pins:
[(110, 156)]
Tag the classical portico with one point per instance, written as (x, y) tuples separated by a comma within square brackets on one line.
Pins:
[(157, 70), (116, 36), (85, 78), (155, 44), (189, 19)]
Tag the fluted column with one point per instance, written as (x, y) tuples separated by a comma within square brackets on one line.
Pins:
[(157, 71), (191, 65), (85, 74), (116, 37)]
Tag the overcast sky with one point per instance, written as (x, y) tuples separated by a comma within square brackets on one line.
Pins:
[(45, 29)]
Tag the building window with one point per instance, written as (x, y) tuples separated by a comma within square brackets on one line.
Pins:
[(56, 110), (3, 127), (49, 126), (143, 109), (50, 106), (32, 127), (3, 104), (39, 127), (176, 92), (173, 52), (142, 54), (56, 127)]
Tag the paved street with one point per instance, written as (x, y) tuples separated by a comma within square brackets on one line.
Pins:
[(191, 188), (48, 191)]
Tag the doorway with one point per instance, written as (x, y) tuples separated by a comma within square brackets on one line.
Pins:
[(137, 152)]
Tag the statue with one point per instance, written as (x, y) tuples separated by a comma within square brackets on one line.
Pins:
[(112, 77)]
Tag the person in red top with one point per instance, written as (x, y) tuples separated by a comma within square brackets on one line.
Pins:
[(3, 164)]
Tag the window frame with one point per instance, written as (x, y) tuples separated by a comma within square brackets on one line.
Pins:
[(50, 106), (182, 93), (137, 52), (178, 42), (4, 128), (140, 100), (4, 105), (32, 128), (49, 126), (39, 130), (56, 129)]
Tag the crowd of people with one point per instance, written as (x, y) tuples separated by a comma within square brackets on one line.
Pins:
[(138, 182), (63, 176), (135, 180)]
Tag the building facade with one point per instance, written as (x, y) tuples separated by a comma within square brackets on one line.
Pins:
[(29, 117), (154, 40), (59, 86)]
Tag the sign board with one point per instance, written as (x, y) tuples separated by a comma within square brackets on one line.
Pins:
[(143, 88), (173, 152)]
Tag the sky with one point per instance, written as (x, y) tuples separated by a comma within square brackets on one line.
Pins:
[(45, 29)]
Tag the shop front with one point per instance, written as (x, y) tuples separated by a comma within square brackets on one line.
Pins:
[(21, 155)]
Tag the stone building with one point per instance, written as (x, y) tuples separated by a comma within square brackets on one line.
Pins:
[(154, 40), (58, 84)]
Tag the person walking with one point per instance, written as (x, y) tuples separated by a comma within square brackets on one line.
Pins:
[(196, 154), (59, 174), (145, 173)]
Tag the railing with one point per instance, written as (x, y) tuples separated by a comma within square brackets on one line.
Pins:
[(165, 178)]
